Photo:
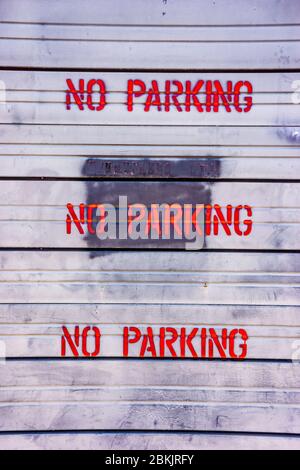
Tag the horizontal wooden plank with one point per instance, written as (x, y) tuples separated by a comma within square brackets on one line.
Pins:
[(274, 343), (111, 276), (72, 166), (136, 313), (35, 212), (59, 409), (139, 394), (144, 33), (135, 12), (156, 416), (117, 115), (148, 373), (124, 293), (146, 135), (175, 34), (148, 55), (142, 441), (255, 397), (58, 193), (168, 262), (202, 278), (146, 150), (98, 394)]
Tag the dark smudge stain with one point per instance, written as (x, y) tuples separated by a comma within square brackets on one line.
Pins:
[(147, 192), (152, 168), (291, 135)]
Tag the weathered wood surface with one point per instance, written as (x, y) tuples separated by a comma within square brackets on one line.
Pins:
[(127, 292), (225, 136), (206, 417), (39, 98), (148, 150), (273, 412), (182, 290), (144, 416), (168, 278), (169, 373), (117, 114), (41, 291), (197, 34), (267, 316), (138, 393), (35, 212), (58, 193), (34, 43), (142, 441), (139, 55), (141, 167), (13, 263), (239, 162), (137, 12), (25, 160), (147, 55)]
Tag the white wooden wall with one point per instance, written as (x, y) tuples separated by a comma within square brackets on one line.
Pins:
[(253, 282)]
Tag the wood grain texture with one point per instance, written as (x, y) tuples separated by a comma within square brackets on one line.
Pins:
[(224, 136), (117, 114), (155, 413), (119, 394), (145, 441), (27, 160), (281, 264), (197, 34), (164, 278), (135, 12), (168, 373), (141, 56), (58, 193), (147, 150), (156, 416), (273, 316), (127, 292)]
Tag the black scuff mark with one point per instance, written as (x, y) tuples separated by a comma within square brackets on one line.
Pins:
[(220, 421), (165, 3), (149, 191)]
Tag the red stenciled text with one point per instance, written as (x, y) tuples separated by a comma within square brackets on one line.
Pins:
[(84, 218), (183, 96), (182, 342)]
